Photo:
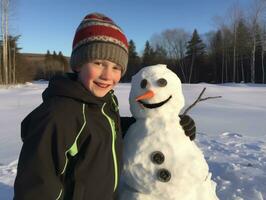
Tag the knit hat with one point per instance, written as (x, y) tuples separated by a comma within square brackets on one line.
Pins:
[(98, 37)]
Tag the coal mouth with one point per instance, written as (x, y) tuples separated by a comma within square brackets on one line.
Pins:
[(155, 105)]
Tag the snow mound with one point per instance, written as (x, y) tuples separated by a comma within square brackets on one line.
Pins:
[(238, 164), (7, 177)]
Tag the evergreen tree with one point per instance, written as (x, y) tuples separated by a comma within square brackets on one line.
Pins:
[(63, 62), (216, 56), (47, 56), (195, 54), (54, 54), (132, 50), (160, 55), (243, 46), (8, 59), (47, 66), (195, 45), (133, 62), (148, 55)]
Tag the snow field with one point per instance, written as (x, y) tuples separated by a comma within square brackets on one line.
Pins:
[(230, 131)]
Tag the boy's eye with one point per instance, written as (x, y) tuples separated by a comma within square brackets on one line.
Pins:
[(117, 67), (97, 62)]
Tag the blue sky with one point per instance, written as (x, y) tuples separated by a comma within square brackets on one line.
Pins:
[(51, 24)]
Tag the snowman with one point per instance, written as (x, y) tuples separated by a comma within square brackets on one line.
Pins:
[(160, 161)]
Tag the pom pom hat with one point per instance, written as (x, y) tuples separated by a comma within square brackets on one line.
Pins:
[(98, 37)]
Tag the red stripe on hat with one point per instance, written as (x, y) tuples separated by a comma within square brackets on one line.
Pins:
[(99, 30)]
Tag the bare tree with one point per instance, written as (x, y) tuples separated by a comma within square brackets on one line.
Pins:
[(1, 62), (263, 50), (4, 31), (220, 23), (236, 15), (257, 10), (8, 49), (174, 41)]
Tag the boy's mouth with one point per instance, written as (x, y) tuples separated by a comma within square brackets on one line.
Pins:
[(102, 85)]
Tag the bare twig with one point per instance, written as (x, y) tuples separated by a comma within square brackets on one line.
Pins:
[(198, 100)]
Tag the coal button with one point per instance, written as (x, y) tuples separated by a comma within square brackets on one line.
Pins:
[(157, 157), (164, 175)]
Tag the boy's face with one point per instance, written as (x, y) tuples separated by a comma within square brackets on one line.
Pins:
[(99, 76)]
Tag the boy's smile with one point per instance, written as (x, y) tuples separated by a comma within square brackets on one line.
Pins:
[(99, 76), (101, 85)]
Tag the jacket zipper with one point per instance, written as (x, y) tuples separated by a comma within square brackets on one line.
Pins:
[(73, 150), (112, 124)]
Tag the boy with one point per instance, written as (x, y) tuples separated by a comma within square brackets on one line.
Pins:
[(72, 142)]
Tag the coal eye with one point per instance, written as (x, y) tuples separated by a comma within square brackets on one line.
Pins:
[(162, 82), (143, 83)]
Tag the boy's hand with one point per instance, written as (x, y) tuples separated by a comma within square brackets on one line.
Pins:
[(188, 125)]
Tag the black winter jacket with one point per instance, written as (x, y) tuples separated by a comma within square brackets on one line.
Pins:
[(72, 145)]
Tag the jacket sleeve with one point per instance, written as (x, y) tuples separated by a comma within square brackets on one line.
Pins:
[(42, 159), (125, 123)]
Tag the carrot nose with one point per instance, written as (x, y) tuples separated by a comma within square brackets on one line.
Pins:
[(147, 95)]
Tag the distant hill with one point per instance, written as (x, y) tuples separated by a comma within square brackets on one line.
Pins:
[(37, 57), (35, 66)]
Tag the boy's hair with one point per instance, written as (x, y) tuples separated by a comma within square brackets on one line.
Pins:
[(98, 37)]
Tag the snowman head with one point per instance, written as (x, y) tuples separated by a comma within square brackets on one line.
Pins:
[(155, 90)]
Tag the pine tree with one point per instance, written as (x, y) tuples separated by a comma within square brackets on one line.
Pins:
[(63, 62), (216, 56), (132, 50), (11, 55), (160, 55), (48, 65), (195, 53), (133, 62), (243, 46), (148, 55), (195, 45)]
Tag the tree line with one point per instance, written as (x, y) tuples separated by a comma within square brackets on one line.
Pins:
[(53, 64), (21, 67), (235, 52), (14, 66)]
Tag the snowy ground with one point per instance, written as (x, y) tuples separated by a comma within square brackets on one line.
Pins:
[(231, 132)]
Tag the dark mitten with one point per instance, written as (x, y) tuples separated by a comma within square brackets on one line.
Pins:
[(126, 123), (188, 125)]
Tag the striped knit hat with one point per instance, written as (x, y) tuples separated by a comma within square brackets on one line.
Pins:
[(98, 37)]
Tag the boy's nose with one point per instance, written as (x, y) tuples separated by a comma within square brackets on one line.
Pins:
[(106, 74)]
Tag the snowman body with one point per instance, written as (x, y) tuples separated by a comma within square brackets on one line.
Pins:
[(188, 178), (159, 160)]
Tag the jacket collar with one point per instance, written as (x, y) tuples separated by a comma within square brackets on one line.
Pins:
[(68, 86)]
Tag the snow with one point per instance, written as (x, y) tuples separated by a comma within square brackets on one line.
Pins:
[(238, 164), (230, 131)]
